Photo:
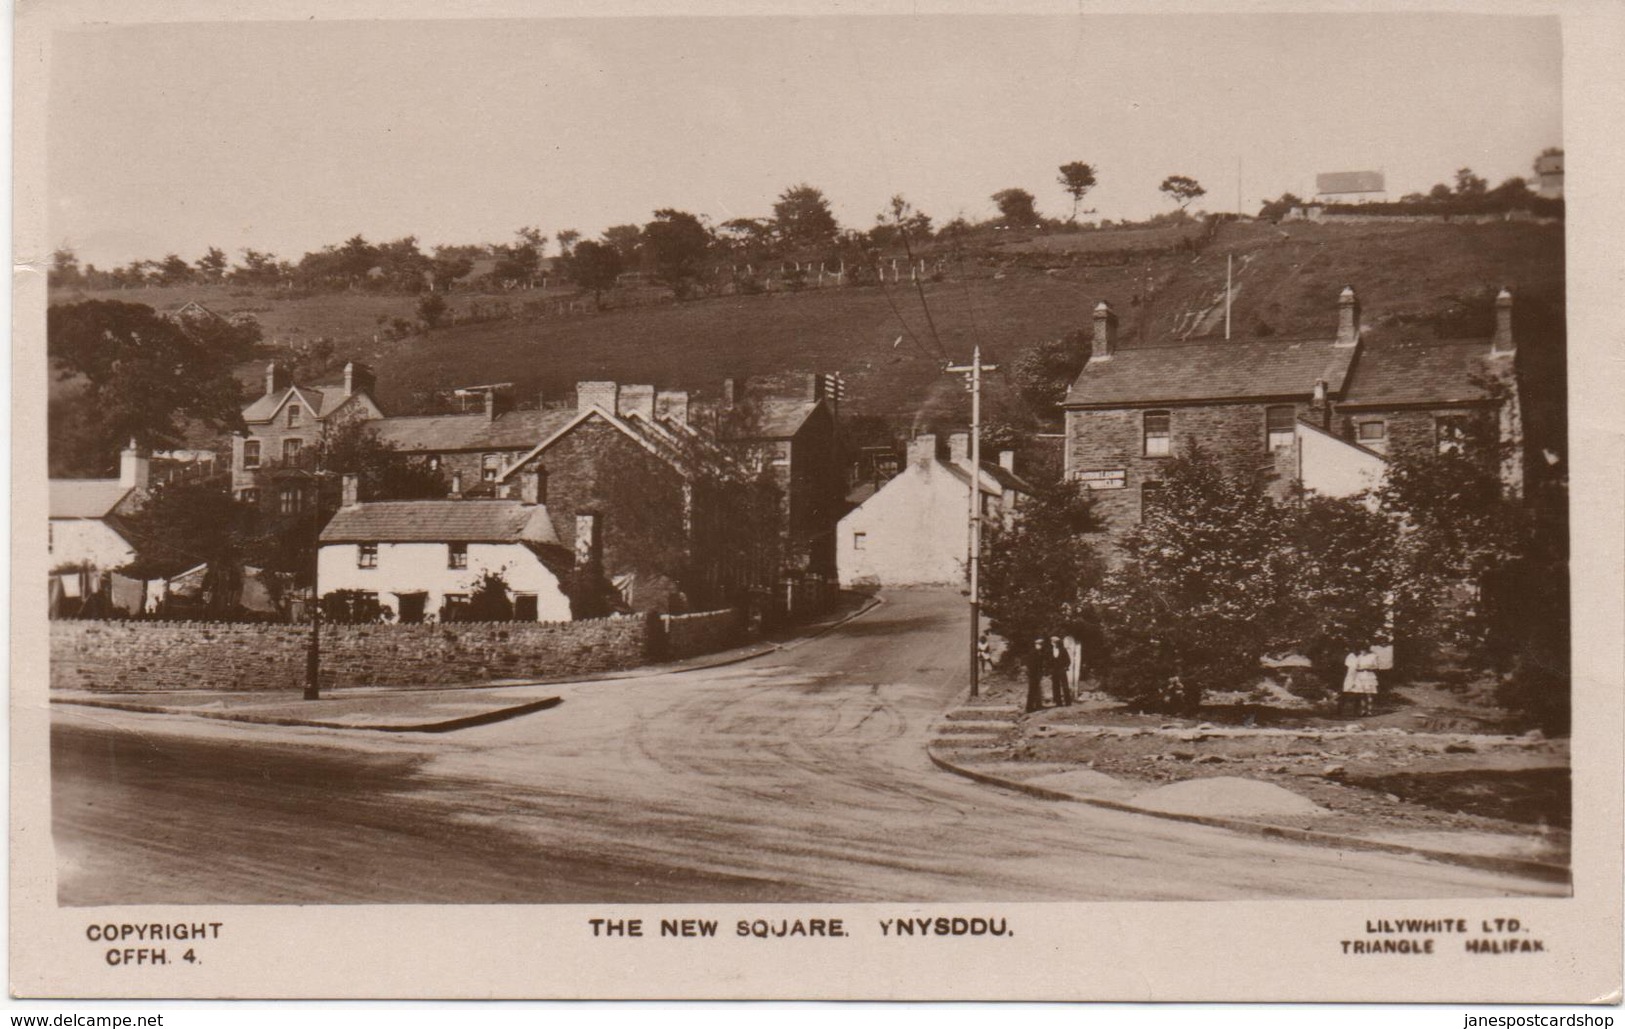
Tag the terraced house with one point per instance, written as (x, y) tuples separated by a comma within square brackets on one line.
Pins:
[(1326, 410)]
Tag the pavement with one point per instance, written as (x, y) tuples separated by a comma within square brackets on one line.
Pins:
[(800, 776), (440, 709), (970, 741)]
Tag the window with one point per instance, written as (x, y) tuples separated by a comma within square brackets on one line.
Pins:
[(290, 449), (859, 539), (434, 462), (290, 500), (457, 555), (490, 464), (1450, 432), (1278, 430), (251, 453), (1157, 424), (454, 608), (1150, 498), (293, 415), (1373, 435), (366, 555)]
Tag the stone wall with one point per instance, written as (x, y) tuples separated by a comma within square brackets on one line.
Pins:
[(153, 655), (703, 632)]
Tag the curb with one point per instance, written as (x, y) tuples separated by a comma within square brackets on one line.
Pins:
[(1514, 866), (449, 725)]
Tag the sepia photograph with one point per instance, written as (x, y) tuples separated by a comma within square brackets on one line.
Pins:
[(804, 483)]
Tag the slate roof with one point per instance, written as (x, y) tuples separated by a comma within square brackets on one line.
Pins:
[(86, 498), (781, 418), (321, 402), (1006, 479), (511, 430), (1349, 182), (1214, 370), (442, 521), (1422, 372)]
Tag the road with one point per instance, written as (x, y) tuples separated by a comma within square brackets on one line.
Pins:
[(800, 776)]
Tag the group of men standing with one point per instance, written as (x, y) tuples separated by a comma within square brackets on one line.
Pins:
[(1052, 657)]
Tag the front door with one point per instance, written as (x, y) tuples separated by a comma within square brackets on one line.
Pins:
[(412, 606)]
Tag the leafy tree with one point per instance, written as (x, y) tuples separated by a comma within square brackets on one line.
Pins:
[(1275, 210), (139, 376), (595, 266), (626, 239), (258, 268), (1183, 189), (1199, 598), (386, 472), (676, 243), (1043, 372), (446, 268), (488, 599), (1515, 188), (64, 268), (431, 309), (185, 524), (1440, 191), (900, 223), (1077, 178), (1016, 206), (174, 271), (747, 237), (1470, 185), (803, 218), (567, 239), (1039, 571), (212, 265)]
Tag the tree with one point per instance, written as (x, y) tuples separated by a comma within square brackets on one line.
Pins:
[(1039, 571), (488, 599), (675, 243), (595, 266), (1183, 189), (626, 239), (1016, 206), (1440, 191), (803, 218), (1199, 598), (212, 265), (518, 262), (1275, 210), (386, 472), (1077, 178), (901, 223), (1513, 189), (258, 268), (138, 376), (185, 524), (448, 265), (1044, 371), (174, 271), (1470, 185), (431, 309), (64, 268), (567, 240)]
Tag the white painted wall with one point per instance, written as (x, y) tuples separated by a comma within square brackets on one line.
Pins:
[(88, 540), (914, 531), (421, 567), (1333, 468)]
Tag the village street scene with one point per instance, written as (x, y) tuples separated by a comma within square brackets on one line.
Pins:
[(1125, 502)]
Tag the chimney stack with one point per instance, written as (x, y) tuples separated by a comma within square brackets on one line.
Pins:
[(959, 447), (672, 405), (602, 395), (1348, 318), (733, 392), (277, 378), (638, 400), (1502, 344), (589, 542), (456, 485), (922, 449), (134, 469), (530, 486), (352, 489), (1007, 460), (490, 405), (1105, 342)]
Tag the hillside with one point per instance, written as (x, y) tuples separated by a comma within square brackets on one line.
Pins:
[(1010, 295)]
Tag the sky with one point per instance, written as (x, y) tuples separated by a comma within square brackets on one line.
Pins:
[(286, 136)]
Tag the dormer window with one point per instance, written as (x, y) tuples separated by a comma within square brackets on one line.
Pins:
[(293, 415)]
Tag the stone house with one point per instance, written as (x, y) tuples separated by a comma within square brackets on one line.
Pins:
[(1324, 410), (914, 530), (282, 424), (421, 559)]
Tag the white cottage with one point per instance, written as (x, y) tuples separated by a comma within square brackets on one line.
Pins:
[(422, 558), (914, 530), (85, 516)]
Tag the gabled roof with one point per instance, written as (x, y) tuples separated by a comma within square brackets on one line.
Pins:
[(781, 418), (442, 521), (86, 498), (995, 479), (1212, 370), (511, 430), (319, 402), (634, 427), (1423, 372)]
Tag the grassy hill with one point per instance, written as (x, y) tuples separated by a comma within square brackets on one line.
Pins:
[(1014, 292)]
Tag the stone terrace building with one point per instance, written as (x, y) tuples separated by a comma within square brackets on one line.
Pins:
[(1253, 402)]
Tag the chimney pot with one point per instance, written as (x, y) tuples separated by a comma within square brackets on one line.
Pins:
[(456, 484), (922, 449), (1007, 460), (134, 468), (1348, 318), (1105, 339), (352, 489), (530, 486), (490, 405), (602, 395), (638, 400), (277, 378), (1502, 343), (672, 405), (959, 447)]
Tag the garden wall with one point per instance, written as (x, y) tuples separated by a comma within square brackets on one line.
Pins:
[(153, 655), (701, 633)]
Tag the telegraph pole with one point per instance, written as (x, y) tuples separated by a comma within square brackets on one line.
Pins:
[(973, 372)]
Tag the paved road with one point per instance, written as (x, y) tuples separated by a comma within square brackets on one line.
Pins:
[(798, 776)]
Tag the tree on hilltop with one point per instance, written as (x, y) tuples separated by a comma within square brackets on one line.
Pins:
[(595, 266), (1470, 185), (803, 218), (1016, 206), (1077, 178), (1183, 189), (676, 243)]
